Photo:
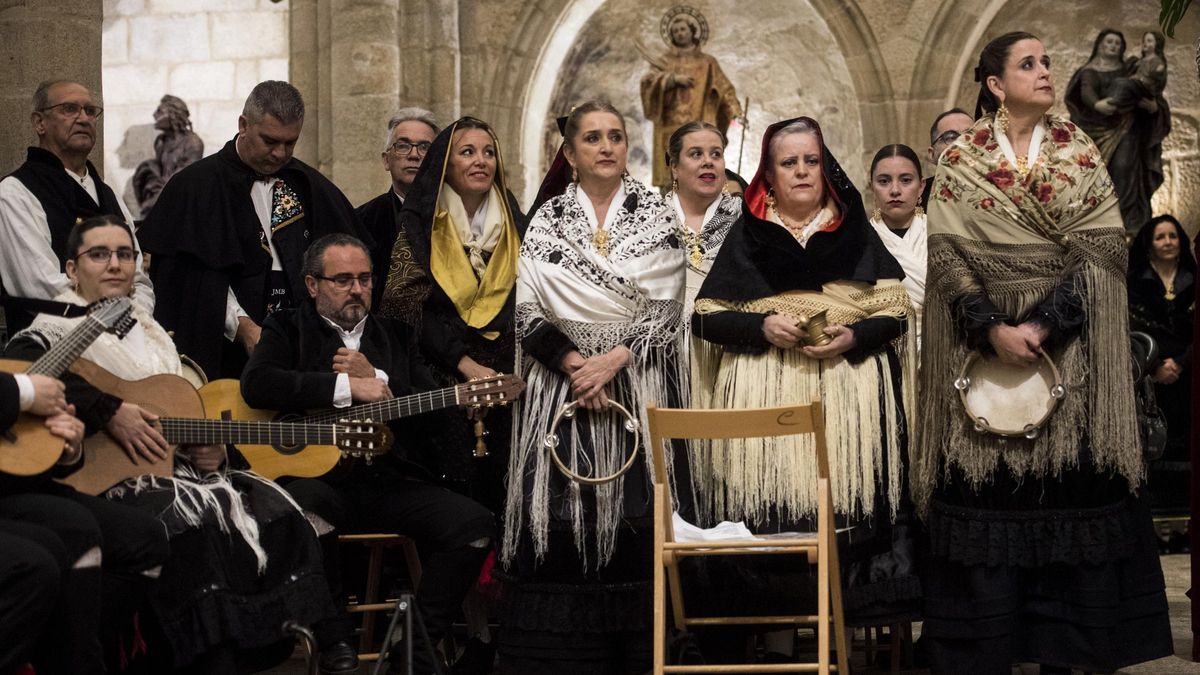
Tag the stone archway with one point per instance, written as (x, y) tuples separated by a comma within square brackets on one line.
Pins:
[(552, 28)]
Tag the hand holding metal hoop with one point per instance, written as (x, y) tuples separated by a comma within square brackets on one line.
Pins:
[(1006, 400), (567, 411)]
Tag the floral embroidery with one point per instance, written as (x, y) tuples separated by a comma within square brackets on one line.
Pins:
[(1060, 136), (987, 203), (1045, 192), (1002, 177), (953, 156), (285, 205), (982, 136), (1084, 160)]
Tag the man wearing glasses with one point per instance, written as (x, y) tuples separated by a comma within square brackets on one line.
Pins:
[(946, 129), (229, 231), (46, 196), (330, 352), (409, 134)]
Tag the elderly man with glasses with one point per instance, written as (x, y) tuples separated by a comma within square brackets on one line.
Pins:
[(410, 132), (46, 196)]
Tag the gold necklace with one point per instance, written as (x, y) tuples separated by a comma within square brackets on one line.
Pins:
[(796, 230), (695, 252), (600, 241)]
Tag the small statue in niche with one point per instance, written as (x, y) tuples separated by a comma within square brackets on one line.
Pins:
[(684, 84), (176, 147)]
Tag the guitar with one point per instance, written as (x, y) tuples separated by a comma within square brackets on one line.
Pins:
[(28, 448), (183, 421), (303, 460)]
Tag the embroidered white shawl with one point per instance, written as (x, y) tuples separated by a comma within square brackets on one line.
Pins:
[(634, 297), (912, 252)]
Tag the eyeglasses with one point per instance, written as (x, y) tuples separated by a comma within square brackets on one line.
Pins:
[(73, 109), (403, 147), (344, 282), (102, 255), (947, 137)]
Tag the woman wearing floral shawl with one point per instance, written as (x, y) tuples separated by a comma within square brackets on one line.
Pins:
[(1041, 551)]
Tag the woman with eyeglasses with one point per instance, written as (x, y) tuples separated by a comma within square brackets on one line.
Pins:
[(464, 230), (243, 557)]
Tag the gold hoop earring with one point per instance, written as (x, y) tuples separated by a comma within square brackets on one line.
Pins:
[(876, 214), (770, 198), (1002, 118), (919, 211)]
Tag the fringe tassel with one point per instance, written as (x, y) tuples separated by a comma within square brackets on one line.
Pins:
[(744, 479)]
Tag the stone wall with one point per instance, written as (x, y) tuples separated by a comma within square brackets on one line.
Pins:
[(44, 40), (210, 54)]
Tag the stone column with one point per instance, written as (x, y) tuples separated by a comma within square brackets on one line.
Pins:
[(431, 57), (345, 59), (44, 40)]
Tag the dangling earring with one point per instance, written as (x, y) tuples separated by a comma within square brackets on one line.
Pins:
[(574, 175), (770, 198), (920, 211), (725, 188), (1002, 118), (674, 184), (876, 214)]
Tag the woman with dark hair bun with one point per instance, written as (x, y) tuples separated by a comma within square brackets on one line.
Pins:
[(1042, 550), (898, 218), (1162, 295)]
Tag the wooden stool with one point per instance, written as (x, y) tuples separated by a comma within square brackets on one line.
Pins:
[(370, 603), (899, 646)]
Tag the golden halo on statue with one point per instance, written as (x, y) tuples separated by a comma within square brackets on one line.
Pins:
[(690, 14)]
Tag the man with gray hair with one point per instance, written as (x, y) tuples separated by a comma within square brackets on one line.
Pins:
[(410, 132), (45, 197), (228, 233)]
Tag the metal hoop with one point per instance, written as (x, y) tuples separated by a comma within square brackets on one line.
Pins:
[(567, 411)]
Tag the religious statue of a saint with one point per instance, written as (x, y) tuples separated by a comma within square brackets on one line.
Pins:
[(684, 84), (176, 147)]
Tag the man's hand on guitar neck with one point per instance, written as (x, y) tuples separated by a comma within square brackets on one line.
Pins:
[(132, 427), (369, 390)]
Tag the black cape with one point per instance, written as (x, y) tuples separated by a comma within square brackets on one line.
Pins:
[(205, 237), (380, 219), (760, 259)]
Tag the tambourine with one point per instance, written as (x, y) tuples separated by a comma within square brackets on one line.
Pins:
[(568, 411), (1007, 400)]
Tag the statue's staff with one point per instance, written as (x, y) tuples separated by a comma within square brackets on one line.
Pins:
[(745, 128)]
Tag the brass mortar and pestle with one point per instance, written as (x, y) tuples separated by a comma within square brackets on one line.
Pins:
[(814, 328)]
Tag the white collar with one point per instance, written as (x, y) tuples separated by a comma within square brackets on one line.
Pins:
[(352, 334), (589, 209), (1035, 144), (708, 212)]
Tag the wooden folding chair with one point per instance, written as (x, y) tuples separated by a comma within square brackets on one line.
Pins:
[(692, 424), (369, 603)]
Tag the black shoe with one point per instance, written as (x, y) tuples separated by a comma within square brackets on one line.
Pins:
[(338, 658), (478, 658)]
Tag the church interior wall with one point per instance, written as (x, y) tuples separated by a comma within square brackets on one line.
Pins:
[(210, 54)]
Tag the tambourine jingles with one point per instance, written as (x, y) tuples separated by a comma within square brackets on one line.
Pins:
[(1007, 400), (567, 411)]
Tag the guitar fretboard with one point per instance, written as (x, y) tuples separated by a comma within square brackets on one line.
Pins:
[(186, 431), (394, 408), (60, 357)]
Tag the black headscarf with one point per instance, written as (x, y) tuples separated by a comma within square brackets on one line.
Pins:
[(760, 259), (421, 202)]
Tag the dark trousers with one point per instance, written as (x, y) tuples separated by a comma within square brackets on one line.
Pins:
[(443, 523), (29, 577), (65, 531)]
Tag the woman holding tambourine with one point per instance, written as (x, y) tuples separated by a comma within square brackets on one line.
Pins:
[(1041, 551)]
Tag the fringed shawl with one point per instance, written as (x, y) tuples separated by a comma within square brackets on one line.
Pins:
[(633, 298), (721, 215), (912, 252), (1014, 240), (746, 479)]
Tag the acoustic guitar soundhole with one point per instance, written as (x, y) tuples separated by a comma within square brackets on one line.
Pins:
[(287, 449)]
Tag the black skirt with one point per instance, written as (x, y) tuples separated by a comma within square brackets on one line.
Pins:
[(1061, 571)]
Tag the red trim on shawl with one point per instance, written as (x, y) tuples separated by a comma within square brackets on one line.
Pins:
[(756, 194)]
